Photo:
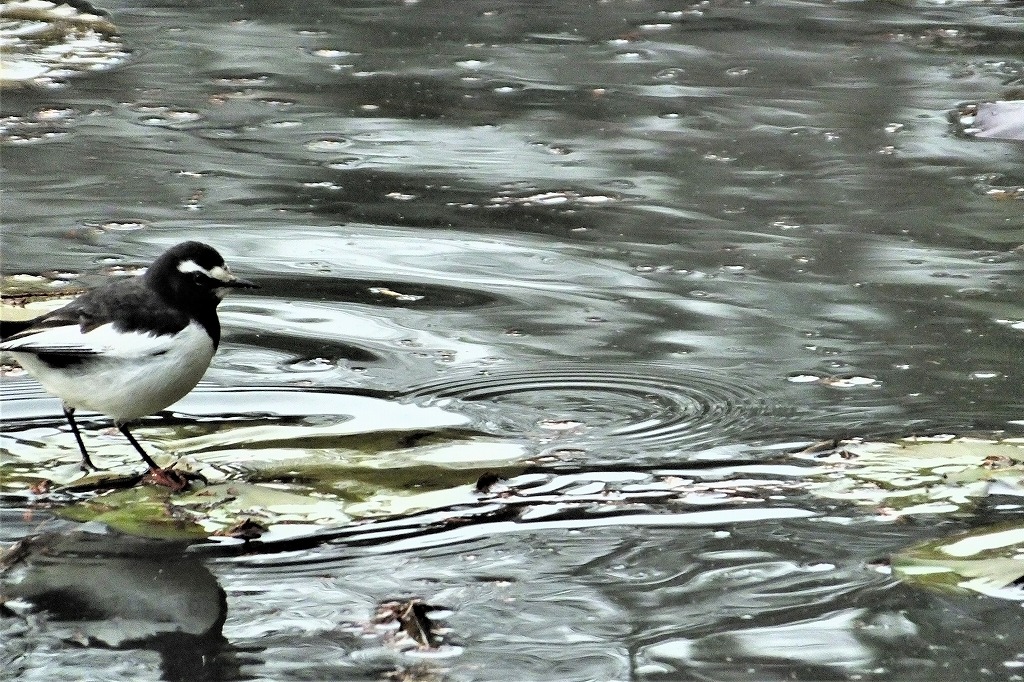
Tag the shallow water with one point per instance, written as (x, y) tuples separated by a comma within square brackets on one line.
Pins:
[(596, 244)]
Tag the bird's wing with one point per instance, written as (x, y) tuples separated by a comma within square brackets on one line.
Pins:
[(60, 331), (66, 340), (58, 337), (83, 327)]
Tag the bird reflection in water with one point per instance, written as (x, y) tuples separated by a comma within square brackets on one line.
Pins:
[(106, 590)]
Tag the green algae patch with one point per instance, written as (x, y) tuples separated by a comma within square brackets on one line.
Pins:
[(219, 508), (279, 490), (159, 513), (144, 511), (287, 471)]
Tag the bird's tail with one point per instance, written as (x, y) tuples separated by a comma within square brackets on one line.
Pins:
[(9, 328)]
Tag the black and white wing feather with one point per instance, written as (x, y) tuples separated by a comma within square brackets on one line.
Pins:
[(122, 318)]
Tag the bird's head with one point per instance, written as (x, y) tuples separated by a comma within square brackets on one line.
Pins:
[(193, 271)]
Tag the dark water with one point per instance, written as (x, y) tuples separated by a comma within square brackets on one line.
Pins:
[(616, 236)]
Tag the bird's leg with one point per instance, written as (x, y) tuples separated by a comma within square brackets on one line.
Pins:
[(138, 448), (175, 480), (86, 464)]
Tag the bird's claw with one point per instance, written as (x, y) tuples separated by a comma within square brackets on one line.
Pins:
[(87, 467), (172, 478)]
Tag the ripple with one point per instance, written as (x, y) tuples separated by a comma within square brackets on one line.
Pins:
[(648, 405)]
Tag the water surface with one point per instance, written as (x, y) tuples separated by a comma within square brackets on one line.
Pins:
[(605, 240)]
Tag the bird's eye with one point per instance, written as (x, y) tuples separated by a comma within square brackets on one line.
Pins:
[(199, 277)]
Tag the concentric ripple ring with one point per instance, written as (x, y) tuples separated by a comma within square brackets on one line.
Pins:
[(654, 406)]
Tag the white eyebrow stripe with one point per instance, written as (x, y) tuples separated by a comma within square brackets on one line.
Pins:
[(220, 273), (190, 266)]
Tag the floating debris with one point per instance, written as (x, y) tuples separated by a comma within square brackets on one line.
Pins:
[(42, 487), (47, 42), (919, 475), (988, 560), (410, 618), (397, 295), (486, 482), (1001, 120), (23, 297), (553, 198), (246, 529), (840, 382)]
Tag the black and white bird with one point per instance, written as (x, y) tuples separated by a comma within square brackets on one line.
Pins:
[(133, 346)]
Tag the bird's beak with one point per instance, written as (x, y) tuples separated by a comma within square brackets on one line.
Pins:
[(226, 279), (239, 283)]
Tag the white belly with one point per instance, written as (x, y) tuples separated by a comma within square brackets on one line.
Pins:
[(131, 380)]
